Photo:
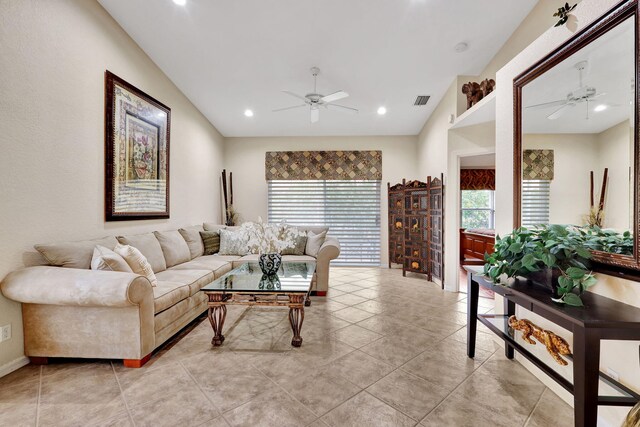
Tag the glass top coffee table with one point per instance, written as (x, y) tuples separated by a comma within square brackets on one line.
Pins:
[(246, 285)]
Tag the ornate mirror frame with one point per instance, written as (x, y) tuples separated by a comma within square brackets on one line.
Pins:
[(615, 264)]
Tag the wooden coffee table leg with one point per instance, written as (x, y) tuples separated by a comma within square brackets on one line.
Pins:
[(307, 300), (217, 314), (296, 317)]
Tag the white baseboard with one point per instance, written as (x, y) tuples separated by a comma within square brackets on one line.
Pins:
[(14, 365)]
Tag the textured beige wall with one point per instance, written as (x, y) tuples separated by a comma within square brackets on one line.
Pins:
[(621, 356), (54, 54), (245, 158), (440, 148), (574, 156)]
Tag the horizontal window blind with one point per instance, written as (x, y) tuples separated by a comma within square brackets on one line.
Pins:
[(535, 202), (350, 208)]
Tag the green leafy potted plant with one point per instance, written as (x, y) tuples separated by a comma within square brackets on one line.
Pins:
[(559, 252)]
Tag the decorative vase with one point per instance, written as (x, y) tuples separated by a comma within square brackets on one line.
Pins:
[(547, 278), (270, 263), (270, 283)]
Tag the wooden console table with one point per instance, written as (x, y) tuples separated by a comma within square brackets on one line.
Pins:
[(601, 319)]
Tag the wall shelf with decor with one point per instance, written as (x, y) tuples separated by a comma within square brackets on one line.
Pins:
[(482, 112)]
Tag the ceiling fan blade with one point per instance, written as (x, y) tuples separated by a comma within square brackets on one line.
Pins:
[(295, 95), (548, 104), (342, 108), (560, 111), (315, 115), (334, 96), (288, 108)]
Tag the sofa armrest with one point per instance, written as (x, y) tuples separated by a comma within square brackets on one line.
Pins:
[(329, 250), (76, 287)]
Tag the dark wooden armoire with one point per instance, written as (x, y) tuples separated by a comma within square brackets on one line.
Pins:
[(416, 227)]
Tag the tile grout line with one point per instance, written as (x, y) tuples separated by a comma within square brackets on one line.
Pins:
[(39, 394), (534, 407), (458, 386), (126, 405), (305, 406), (206, 396)]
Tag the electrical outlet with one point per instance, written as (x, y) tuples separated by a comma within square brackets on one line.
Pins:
[(613, 374), (5, 333)]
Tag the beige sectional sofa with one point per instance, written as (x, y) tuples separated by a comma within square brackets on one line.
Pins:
[(70, 310)]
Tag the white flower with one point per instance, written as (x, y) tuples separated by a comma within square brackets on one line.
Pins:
[(269, 238)]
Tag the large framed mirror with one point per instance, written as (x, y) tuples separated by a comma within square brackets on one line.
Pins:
[(576, 139)]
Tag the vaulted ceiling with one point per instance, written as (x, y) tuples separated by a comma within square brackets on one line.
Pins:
[(229, 56)]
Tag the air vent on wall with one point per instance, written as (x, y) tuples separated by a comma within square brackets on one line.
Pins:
[(421, 100)]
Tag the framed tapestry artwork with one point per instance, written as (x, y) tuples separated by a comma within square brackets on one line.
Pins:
[(137, 130)]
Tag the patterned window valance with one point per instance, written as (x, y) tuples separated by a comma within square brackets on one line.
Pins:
[(477, 179), (329, 165), (537, 164)]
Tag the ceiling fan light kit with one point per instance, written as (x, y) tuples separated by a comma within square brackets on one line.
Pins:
[(315, 100), (583, 94)]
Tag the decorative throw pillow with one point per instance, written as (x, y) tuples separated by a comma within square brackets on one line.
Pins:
[(233, 243), (295, 240), (106, 259), (192, 236), (149, 246), (211, 242), (137, 262), (314, 242), (73, 254), (174, 247)]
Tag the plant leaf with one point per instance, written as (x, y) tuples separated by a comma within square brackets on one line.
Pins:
[(573, 299), (515, 248), (576, 273)]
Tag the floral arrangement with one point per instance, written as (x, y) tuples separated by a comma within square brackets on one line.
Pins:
[(264, 238)]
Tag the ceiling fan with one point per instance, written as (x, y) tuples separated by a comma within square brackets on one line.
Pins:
[(315, 101), (584, 94)]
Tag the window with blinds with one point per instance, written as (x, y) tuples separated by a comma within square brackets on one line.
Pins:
[(535, 202), (350, 208)]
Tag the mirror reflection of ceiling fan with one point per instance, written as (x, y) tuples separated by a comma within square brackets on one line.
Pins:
[(315, 101), (582, 95)]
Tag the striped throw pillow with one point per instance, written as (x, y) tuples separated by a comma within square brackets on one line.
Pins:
[(211, 241), (137, 262)]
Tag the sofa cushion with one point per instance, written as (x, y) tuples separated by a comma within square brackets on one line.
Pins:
[(149, 246), (314, 243), (209, 226), (228, 258), (174, 247), (195, 279), (211, 241), (233, 243), (317, 229), (245, 259), (167, 294), (298, 258), (208, 262), (74, 254), (106, 259), (173, 314), (191, 235)]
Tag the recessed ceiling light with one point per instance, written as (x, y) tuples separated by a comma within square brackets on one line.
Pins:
[(180, 2), (461, 47), (248, 113), (382, 111), (600, 107)]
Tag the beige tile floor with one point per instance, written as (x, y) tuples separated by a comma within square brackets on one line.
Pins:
[(380, 350)]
